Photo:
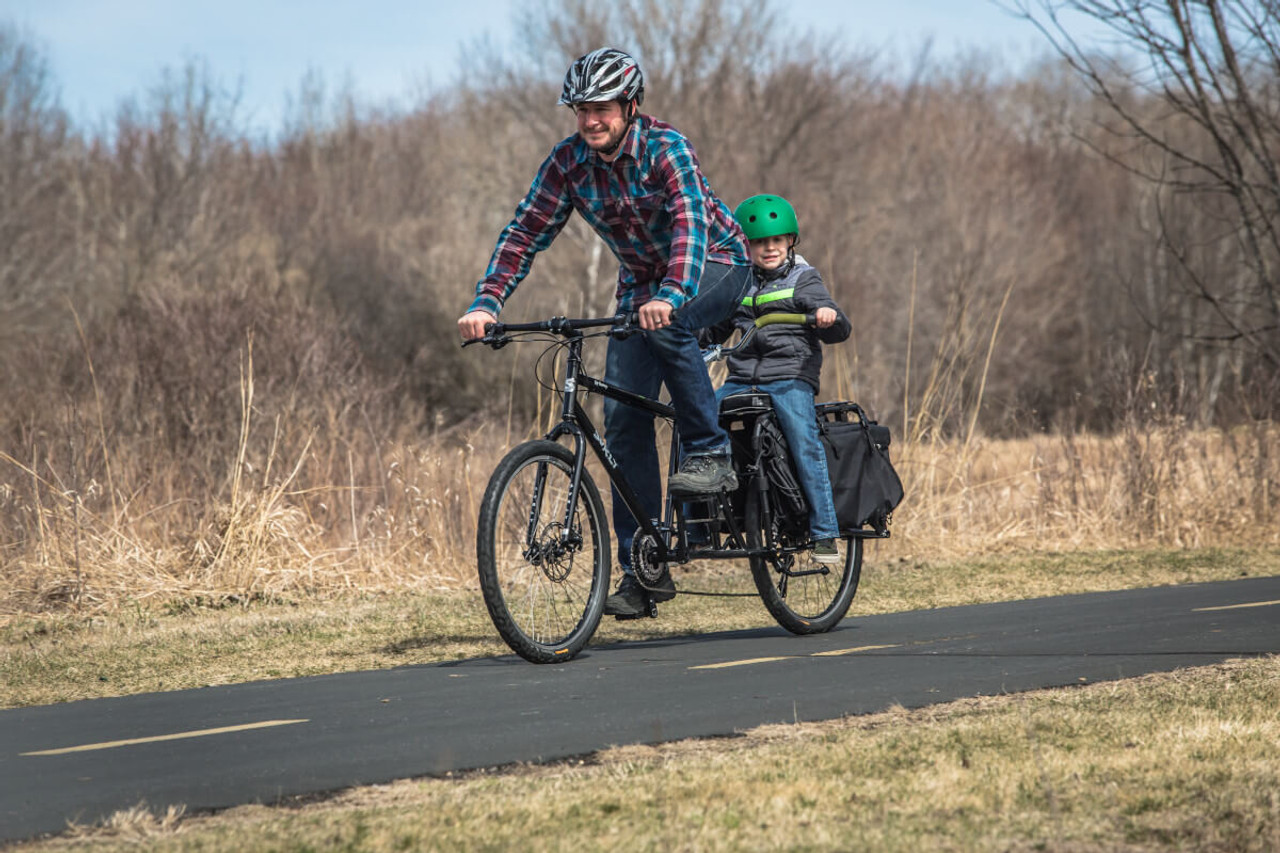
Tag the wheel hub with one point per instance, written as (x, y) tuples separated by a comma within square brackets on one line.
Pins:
[(552, 554)]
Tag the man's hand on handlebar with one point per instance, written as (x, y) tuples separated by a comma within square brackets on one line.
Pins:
[(656, 314), (472, 324)]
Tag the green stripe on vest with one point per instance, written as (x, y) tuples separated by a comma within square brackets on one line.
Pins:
[(785, 293)]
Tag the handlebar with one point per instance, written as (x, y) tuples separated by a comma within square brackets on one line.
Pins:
[(498, 335), (718, 352)]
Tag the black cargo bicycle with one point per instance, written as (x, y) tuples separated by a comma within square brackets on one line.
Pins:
[(543, 541)]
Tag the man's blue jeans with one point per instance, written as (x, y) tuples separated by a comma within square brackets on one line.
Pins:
[(642, 364), (793, 405)]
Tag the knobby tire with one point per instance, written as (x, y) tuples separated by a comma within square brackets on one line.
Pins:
[(544, 597)]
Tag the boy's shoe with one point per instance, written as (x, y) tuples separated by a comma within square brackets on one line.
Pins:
[(826, 552), (701, 475), (631, 599)]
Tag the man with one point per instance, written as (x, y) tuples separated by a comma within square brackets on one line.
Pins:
[(637, 182)]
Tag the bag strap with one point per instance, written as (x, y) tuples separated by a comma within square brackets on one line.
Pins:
[(822, 428), (863, 421)]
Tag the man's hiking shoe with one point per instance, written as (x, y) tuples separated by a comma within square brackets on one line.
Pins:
[(826, 552), (629, 601), (701, 475), (632, 600), (664, 589)]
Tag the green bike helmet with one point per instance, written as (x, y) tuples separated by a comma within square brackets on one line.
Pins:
[(766, 216)]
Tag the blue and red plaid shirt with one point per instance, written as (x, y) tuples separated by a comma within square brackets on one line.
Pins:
[(652, 206)]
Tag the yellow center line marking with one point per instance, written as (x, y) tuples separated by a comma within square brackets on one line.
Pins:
[(1237, 606), (853, 650), (750, 661), (728, 664), (266, 724)]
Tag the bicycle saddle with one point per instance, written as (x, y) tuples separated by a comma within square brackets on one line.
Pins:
[(746, 403)]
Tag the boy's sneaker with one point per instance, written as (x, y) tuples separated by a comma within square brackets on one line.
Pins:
[(701, 475), (826, 552)]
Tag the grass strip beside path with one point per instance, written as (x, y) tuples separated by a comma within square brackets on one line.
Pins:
[(64, 657)]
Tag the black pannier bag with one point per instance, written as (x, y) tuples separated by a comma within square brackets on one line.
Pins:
[(863, 483)]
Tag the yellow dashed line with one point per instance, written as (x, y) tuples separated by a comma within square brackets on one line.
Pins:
[(750, 661), (266, 724), (730, 663), (1237, 606), (834, 652)]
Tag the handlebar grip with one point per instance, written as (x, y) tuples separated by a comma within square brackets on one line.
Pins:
[(793, 319)]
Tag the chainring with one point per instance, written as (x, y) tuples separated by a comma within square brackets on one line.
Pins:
[(644, 552)]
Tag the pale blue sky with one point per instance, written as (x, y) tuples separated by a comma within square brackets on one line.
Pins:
[(101, 51)]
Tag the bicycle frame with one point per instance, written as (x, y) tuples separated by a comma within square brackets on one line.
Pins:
[(546, 602)]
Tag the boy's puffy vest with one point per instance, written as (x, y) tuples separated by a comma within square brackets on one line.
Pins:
[(781, 352)]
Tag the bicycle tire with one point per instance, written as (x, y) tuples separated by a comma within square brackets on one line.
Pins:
[(545, 598), (804, 604)]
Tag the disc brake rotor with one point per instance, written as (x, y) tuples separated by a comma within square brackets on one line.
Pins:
[(550, 554)]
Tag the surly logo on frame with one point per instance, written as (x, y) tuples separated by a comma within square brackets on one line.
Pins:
[(604, 448)]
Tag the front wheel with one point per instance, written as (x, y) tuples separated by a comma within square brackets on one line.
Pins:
[(804, 596), (544, 581)]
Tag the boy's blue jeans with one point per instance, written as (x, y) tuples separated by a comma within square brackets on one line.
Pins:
[(793, 405), (642, 364)]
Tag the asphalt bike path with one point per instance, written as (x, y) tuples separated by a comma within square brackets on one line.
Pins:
[(259, 742)]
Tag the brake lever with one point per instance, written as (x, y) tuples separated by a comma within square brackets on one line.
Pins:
[(496, 343), (625, 325)]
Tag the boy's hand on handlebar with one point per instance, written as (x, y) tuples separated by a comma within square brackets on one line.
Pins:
[(472, 324), (656, 314), (824, 317)]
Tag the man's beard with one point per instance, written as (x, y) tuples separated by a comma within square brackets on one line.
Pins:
[(611, 144)]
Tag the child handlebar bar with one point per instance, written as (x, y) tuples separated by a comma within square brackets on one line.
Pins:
[(718, 352)]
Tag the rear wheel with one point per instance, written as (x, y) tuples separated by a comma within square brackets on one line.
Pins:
[(806, 597), (544, 585)]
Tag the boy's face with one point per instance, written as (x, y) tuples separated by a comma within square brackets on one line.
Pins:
[(769, 253), (601, 123)]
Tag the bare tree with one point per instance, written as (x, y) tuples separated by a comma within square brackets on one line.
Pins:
[(1192, 104), (33, 139)]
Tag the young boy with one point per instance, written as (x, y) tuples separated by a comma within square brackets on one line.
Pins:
[(785, 360)]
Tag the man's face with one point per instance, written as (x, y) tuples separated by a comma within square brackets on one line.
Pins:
[(601, 123), (769, 253)]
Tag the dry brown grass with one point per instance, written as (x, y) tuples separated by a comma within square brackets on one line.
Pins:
[(1166, 485), (405, 517)]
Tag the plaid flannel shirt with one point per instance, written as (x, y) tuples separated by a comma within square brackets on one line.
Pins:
[(652, 206)]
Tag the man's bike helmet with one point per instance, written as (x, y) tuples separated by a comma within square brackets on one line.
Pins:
[(606, 74), (766, 216)]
